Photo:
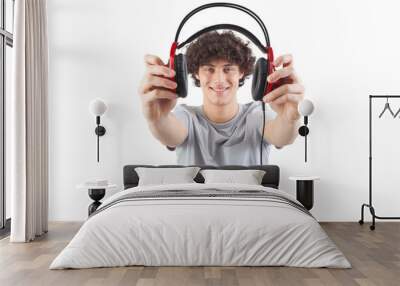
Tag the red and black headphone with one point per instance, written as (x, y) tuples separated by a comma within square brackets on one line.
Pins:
[(263, 66)]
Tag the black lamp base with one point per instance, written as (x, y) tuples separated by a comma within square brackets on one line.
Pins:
[(303, 130), (100, 130)]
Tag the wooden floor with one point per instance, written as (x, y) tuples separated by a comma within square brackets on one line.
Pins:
[(374, 255)]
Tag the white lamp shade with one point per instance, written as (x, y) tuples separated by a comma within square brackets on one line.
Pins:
[(306, 107), (97, 107)]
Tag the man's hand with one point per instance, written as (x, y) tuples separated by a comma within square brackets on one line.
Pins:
[(156, 89), (158, 99), (287, 94)]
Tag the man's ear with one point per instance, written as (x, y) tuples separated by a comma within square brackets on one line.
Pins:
[(196, 75), (241, 76), (241, 79)]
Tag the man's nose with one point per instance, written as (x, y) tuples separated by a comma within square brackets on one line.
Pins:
[(219, 77)]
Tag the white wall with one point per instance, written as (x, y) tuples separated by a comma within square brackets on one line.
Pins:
[(343, 51)]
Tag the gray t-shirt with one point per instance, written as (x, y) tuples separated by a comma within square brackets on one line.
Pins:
[(236, 142)]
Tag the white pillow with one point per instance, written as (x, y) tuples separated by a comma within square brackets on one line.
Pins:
[(163, 176), (248, 177)]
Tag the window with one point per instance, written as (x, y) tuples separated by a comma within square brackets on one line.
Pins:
[(6, 44)]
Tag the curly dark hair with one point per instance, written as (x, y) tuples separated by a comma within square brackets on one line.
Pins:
[(212, 46)]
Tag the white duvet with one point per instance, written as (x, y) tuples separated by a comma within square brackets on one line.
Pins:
[(200, 231)]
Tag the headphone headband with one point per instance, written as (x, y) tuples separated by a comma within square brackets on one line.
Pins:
[(228, 5), (236, 28)]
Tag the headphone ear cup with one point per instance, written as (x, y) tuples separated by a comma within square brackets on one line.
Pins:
[(180, 67), (259, 84)]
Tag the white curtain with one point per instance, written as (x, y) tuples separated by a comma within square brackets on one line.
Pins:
[(28, 121)]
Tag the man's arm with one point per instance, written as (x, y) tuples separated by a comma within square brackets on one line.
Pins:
[(284, 100), (281, 132), (158, 99), (169, 130)]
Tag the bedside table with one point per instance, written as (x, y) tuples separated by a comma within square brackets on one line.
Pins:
[(305, 190), (96, 193)]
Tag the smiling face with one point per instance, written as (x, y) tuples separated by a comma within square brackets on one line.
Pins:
[(219, 81)]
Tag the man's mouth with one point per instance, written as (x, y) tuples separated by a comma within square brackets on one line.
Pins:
[(219, 90)]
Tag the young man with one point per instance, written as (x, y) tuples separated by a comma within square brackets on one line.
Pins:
[(221, 131)]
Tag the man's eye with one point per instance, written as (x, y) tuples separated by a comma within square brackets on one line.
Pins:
[(229, 69)]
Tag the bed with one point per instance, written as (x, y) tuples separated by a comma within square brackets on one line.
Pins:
[(201, 224)]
